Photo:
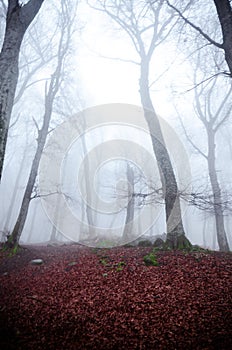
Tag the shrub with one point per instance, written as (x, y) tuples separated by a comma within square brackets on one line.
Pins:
[(150, 260), (120, 265)]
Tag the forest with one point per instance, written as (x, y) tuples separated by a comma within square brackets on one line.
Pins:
[(115, 174)]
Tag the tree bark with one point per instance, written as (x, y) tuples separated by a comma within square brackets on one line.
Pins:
[(224, 12), (15, 191), (127, 232), (50, 95), (18, 228), (217, 198), (176, 235), (88, 209), (18, 19), (13, 240)]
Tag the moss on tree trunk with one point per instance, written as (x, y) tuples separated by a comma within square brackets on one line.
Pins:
[(177, 242)]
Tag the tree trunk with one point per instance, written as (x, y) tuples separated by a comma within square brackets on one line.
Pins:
[(42, 135), (18, 228), (32, 226), (217, 199), (56, 220), (89, 211), (50, 95), (224, 12), (204, 230), (18, 20), (15, 191), (175, 235), (127, 232)]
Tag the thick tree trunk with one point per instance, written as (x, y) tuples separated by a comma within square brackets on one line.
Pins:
[(17, 21), (217, 198), (224, 12), (175, 235)]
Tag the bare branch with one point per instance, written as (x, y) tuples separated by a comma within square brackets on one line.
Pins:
[(36, 124), (118, 59), (198, 29), (189, 138), (223, 119), (203, 81), (220, 109), (204, 200), (122, 23), (163, 73)]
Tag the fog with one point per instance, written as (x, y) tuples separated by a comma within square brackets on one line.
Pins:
[(83, 190)]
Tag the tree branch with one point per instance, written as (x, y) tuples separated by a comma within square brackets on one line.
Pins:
[(198, 29), (190, 139)]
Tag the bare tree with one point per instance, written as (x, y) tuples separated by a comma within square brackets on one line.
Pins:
[(148, 26), (213, 113), (89, 212), (16, 186), (224, 12), (127, 232), (18, 19), (50, 94)]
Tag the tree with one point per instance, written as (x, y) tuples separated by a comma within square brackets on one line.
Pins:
[(89, 211), (18, 19), (213, 111), (50, 94), (16, 186), (224, 12), (127, 232), (147, 27)]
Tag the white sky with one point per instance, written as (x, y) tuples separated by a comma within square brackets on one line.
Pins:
[(106, 81)]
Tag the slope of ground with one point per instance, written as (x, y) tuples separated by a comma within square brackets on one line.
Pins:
[(82, 298)]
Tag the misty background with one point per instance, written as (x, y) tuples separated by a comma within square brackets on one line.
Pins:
[(190, 88)]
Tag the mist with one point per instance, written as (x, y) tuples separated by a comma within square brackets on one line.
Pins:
[(115, 174), (101, 66)]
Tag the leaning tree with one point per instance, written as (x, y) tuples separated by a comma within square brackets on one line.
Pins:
[(18, 19), (148, 25), (63, 39)]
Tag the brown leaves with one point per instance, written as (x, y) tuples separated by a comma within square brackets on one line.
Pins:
[(77, 301)]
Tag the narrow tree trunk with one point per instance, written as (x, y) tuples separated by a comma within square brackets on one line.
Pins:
[(13, 240), (18, 228), (204, 230), (175, 236), (15, 191), (32, 226), (224, 12), (89, 212), (50, 95), (56, 220), (18, 20), (127, 232), (217, 198)]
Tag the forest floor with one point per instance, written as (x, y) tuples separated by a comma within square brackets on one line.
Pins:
[(83, 298)]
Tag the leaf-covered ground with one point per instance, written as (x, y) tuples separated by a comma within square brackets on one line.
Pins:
[(83, 298)]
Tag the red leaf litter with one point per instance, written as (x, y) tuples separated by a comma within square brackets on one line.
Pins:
[(83, 298)]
